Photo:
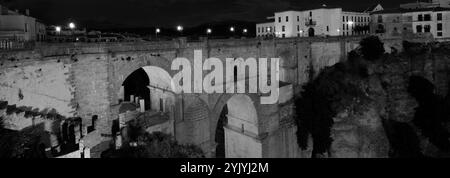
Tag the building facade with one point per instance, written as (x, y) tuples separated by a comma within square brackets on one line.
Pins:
[(266, 29), (324, 21), (396, 22), (16, 26)]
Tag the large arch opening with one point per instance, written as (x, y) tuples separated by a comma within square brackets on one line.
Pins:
[(135, 85), (237, 132), (153, 85), (149, 101)]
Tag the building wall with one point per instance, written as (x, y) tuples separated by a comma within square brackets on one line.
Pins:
[(265, 29), (324, 22), (433, 23), (13, 25), (351, 20)]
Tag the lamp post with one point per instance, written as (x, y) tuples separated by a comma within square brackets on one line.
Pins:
[(58, 30), (156, 32), (72, 25), (72, 28), (180, 29), (232, 31)]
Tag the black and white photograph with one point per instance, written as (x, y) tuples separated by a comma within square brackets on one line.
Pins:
[(205, 80)]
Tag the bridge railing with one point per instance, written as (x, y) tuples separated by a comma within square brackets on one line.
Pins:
[(6, 45)]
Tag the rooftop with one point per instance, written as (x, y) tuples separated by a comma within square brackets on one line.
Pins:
[(401, 10)]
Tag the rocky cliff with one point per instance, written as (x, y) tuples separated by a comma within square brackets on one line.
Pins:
[(393, 105)]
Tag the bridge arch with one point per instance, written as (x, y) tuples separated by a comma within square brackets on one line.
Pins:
[(235, 127)]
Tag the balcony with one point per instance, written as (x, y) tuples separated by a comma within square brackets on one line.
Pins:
[(310, 23)]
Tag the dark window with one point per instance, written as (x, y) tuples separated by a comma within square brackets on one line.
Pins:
[(439, 27), (310, 14), (380, 19), (439, 33), (427, 17), (439, 16), (420, 17), (343, 26), (298, 18), (284, 36), (298, 27), (419, 28), (26, 27), (283, 28), (279, 19), (427, 28), (343, 18), (328, 28), (287, 18)]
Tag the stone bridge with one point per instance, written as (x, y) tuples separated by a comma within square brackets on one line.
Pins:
[(92, 81)]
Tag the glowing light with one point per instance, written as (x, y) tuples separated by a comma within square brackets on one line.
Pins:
[(351, 22), (158, 30), (232, 29), (72, 25), (180, 28), (245, 30), (58, 29), (208, 31)]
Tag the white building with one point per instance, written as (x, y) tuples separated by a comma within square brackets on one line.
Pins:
[(20, 27), (265, 29), (433, 20), (324, 21)]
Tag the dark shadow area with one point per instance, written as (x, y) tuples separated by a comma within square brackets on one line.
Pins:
[(136, 84), (431, 114), (403, 140), (220, 133)]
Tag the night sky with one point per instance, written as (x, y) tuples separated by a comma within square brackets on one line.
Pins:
[(167, 13)]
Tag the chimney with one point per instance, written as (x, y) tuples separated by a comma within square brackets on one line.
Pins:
[(27, 12)]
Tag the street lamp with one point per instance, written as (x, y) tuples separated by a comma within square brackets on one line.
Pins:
[(72, 25), (245, 30), (58, 29), (232, 29), (180, 29), (208, 31), (157, 31), (301, 33)]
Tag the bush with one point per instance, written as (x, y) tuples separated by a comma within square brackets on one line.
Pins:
[(156, 145), (372, 48)]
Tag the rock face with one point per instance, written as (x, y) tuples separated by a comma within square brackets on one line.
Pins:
[(382, 119)]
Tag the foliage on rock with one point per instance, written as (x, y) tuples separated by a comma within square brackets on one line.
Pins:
[(157, 145)]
